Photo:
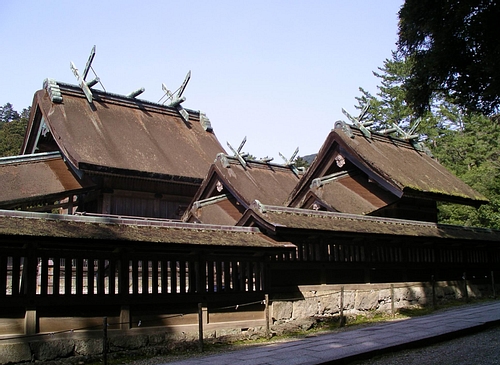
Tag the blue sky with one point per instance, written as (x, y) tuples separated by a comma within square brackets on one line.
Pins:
[(278, 72)]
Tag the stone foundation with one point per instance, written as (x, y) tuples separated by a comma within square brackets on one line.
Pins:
[(288, 312), (324, 300)]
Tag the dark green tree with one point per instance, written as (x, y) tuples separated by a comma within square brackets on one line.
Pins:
[(12, 129), (466, 143), (8, 114), (454, 48), (388, 106), (472, 152), (301, 162)]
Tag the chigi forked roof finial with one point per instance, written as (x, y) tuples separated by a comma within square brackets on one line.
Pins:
[(175, 100)]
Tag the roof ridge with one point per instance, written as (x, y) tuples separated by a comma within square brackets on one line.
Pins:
[(126, 221), (257, 163), (385, 138), (17, 159), (266, 208), (110, 97)]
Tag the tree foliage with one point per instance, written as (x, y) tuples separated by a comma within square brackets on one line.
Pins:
[(389, 105), (8, 114), (12, 129), (468, 144), (473, 153), (301, 162), (454, 48)]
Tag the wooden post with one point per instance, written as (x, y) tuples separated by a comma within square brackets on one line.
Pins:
[(465, 287), (105, 340), (28, 287), (493, 284), (268, 330), (434, 301), (123, 277), (392, 301), (200, 327), (342, 319), (30, 321), (125, 322)]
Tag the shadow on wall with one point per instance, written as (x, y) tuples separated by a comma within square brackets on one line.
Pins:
[(327, 300)]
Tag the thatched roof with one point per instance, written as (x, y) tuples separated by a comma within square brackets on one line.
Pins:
[(230, 187), (388, 163), (37, 178), (26, 224), (278, 219), (123, 135)]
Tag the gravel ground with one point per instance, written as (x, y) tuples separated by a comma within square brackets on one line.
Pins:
[(482, 348)]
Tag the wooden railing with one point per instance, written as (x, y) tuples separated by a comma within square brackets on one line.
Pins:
[(55, 274)]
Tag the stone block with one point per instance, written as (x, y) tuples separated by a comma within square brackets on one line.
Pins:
[(118, 343), (349, 299), (15, 352), (366, 301), (305, 308), (282, 311), (50, 350), (88, 347), (156, 339), (329, 304)]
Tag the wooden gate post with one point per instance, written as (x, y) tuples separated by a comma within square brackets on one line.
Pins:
[(200, 327), (493, 284), (392, 301), (30, 321), (268, 330), (434, 301), (29, 287), (125, 318), (105, 340), (465, 287), (342, 319)]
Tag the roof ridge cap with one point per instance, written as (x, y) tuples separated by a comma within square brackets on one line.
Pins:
[(159, 223), (338, 215), (17, 159)]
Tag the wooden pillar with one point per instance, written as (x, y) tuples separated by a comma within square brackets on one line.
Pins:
[(106, 203), (493, 284), (29, 286), (341, 305), (268, 317), (125, 318), (466, 292), (123, 278), (30, 321), (200, 327), (434, 299), (393, 298)]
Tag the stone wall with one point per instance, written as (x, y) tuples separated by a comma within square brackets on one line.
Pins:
[(85, 345), (324, 300), (288, 311)]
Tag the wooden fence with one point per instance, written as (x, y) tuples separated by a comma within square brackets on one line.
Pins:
[(80, 281), (44, 281)]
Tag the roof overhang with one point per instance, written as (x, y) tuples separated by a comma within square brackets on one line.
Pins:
[(177, 235), (38, 179)]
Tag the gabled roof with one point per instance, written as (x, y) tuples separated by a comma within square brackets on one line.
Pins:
[(279, 219), (37, 179), (347, 192), (385, 166), (28, 224), (122, 135), (230, 187)]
